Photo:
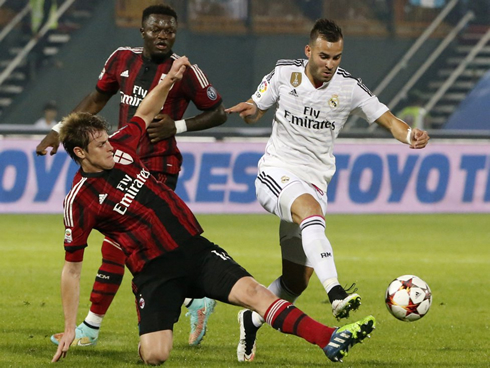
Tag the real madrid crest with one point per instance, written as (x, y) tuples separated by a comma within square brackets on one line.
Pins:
[(284, 179), (295, 79), (334, 101)]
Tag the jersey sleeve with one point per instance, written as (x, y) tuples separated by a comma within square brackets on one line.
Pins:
[(267, 91), (199, 90), (365, 104), (108, 82), (78, 222), (130, 134)]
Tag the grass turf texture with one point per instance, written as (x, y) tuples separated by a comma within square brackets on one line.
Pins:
[(450, 252)]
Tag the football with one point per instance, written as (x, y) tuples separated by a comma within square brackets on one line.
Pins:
[(408, 298)]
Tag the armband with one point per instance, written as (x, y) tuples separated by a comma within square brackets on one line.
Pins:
[(181, 126), (57, 127)]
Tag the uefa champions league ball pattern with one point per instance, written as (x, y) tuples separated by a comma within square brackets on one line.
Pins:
[(408, 298)]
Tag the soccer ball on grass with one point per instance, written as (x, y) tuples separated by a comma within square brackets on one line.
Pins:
[(408, 298)]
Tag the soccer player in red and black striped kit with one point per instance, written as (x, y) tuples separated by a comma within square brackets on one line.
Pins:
[(133, 72), (115, 193)]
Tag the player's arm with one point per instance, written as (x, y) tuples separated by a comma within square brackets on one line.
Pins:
[(70, 294), (248, 111), (416, 138), (92, 103), (163, 126), (153, 102), (207, 119)]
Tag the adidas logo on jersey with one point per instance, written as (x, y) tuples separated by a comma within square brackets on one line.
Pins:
[(102, 198), (125, 73), (293, 93)]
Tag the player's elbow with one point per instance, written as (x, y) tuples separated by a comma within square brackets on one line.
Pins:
[(220, 116)]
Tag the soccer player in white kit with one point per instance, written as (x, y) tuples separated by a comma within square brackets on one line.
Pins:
[(313, 98)]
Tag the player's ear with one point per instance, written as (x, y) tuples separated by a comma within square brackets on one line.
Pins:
[(308, 51), (142, 32), (79, 152)]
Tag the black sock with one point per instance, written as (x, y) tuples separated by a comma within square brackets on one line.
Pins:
[(337, 293)]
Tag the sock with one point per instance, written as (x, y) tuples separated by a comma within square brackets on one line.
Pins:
[(188, 302), (281, 290), (337, 293), (257, 320), (285, 317), (319, 251), (109, 277), (93, 320)]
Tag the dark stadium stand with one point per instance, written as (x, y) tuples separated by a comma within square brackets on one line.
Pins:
[(44, 52)]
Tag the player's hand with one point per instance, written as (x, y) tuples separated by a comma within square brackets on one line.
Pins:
[(245, 109), (52, 140), (178, 68), (419, 139), (161, 128), (64, 345), (248, 111)]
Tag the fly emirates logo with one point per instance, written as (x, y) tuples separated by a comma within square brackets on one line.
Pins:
[(135, 98), (309, 119), (131, 188)]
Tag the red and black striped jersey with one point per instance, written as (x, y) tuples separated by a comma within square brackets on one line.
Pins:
[(133, 75), (128, 205)]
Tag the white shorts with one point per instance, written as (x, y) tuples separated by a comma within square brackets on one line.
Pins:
[(276, 191)]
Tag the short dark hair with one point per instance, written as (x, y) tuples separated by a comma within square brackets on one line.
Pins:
[(326, 29), (78, 129), (158, 9), (51, 105)]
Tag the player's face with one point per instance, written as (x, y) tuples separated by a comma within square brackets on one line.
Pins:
[(324, 58), (99, 155), (158, 34)]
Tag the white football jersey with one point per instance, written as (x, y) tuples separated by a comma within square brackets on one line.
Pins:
[(307, 119)]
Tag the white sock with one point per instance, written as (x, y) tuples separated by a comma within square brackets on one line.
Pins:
[(93, 319), (257, 320), (278, 288), (319, 251), (187, 302)]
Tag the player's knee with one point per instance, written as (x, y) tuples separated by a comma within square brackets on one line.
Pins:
[(154, 357), (154, 354)]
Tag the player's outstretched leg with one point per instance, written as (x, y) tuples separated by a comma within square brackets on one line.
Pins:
[(335, 342), (286, 318), (85, 335), (248, 335), (347, 336), (199, 311)]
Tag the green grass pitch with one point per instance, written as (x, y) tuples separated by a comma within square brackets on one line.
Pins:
[(450, 252)]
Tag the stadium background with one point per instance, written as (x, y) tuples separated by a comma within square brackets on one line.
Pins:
[(237, 42)]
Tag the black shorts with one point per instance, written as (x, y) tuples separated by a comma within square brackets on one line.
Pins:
[(197, 269)]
